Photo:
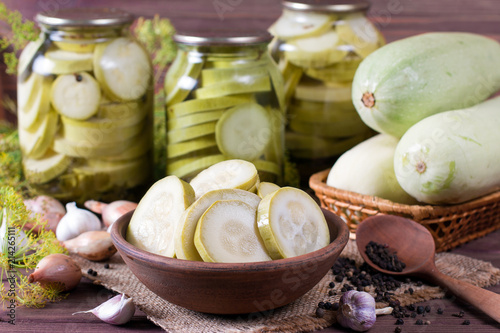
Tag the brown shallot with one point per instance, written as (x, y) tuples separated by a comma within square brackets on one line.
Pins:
[(112, 211), (50, 210), (57, 270), (92, 245)]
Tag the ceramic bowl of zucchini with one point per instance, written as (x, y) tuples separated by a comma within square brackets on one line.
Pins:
[(226, 243)]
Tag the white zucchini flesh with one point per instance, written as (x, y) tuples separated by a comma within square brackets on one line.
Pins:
[(368, 168), (291, 223), (185, 231), (229, 174), (227, 232), (451, 157), (152, 226)]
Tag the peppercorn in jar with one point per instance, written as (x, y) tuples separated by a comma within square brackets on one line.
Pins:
[(85, 106), (224, 97), (319, 45)]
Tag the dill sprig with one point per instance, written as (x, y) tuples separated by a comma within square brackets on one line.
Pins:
[(21, 32), (21, 250)]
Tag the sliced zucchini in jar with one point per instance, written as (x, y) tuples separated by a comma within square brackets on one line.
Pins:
[(76, 95), (48, 167), (35, 143), (321, 93), (296, 24), (211, 76), (342, 71), (60, 62), (359, 32), (206, 104), (244, 131), (123, 68), (227, 232), (256, 84), (193, 132), (76, 46), (33, 100), (194, 119), (183, 148), (187, 166), (182, 77), (291, 223), (319, 51)]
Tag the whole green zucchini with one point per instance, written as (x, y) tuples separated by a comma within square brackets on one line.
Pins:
[(451, 157), (413, 78)]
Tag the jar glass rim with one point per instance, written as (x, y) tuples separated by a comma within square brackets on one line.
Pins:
[(206, 38), (337, 6), (85, 17)]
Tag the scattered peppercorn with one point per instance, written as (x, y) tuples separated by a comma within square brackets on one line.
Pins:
[(106, 266), (398, 329), (94, 273), (321, 305), (440, 311), (78, 78), (331, 284), (90, 271), (459, 315), (328, 306), (413, 315), (420, 309), (400, 321), (419, 322), (335, 306), (466, 322), (410, 290), (320, 312), (428, 308), (332, 293)]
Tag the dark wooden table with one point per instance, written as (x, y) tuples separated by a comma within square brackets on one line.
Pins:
[(395, 18)]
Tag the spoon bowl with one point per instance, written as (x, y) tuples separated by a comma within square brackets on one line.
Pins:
[(414, 245)]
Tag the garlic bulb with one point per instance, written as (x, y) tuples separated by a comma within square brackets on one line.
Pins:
[(57, 268), (357, 310), (116, 311), (112, 211), (50, 210), (92, 245), (75, 222)]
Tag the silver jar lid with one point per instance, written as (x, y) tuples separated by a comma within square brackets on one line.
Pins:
[(214, 37), (338, 6), (85, 17)]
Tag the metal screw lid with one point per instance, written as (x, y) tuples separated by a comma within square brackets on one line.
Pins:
[(338, 6), (81, 17), (223, 37)]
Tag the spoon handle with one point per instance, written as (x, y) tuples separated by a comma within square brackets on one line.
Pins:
[(484, 300)]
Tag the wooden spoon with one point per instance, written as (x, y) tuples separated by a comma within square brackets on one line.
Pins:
[(414, 246)]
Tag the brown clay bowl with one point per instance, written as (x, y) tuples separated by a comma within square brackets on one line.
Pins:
[(235, 288)]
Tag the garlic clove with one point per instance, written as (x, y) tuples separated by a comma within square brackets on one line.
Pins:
[(75, 222), (57, 269), (50, 210), (357, 310), (92, 245), (116, 311)]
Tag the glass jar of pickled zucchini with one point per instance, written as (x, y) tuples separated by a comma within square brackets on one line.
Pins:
[(85, 107), (225, 100), (319, 45)]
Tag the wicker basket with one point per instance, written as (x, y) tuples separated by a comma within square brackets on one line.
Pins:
[(450, 226)]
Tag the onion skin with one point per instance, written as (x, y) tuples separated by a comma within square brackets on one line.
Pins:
[(112, 211), (92, 245), (50, 209), (57, 269)]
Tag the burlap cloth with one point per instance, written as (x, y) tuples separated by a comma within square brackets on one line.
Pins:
[(298, 316)]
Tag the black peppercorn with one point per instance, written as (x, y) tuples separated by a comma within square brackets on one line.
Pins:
[(440, 311), (331, 284), (400, 321), (335, 306), (90, 271), (106, 266), (419, 322), (398, 329), (428, 308), (466, 322), (320, 312), (321, 305), (420, 309), (78, 78)]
